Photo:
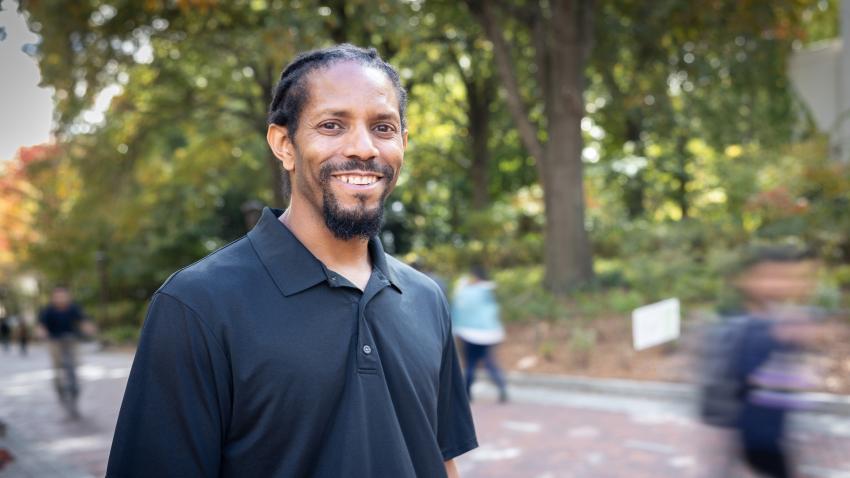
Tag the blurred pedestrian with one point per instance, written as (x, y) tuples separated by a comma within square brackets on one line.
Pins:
[(765, 366), (475, 320), (5, 332), (62, 323), (23, 333)]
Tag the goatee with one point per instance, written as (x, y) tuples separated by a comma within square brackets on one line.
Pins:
[(361, 222)]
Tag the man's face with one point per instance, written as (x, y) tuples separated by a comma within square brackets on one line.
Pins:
[(348, 149)]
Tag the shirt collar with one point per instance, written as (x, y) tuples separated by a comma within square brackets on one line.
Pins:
[(292, 266), (379, 262)]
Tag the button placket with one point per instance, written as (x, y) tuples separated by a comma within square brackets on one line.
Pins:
[(367, 354), (366, 357)]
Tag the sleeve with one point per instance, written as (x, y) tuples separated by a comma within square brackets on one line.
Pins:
[(455, 428), (77, 317), (173, 419)]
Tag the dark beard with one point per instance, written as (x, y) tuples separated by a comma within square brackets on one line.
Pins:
[(360, 222)]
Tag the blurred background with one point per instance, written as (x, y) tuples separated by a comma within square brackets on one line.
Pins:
[(594, 156)]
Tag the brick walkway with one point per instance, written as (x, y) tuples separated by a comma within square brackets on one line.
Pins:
[(543, 433), (555, 434), (40, 436)]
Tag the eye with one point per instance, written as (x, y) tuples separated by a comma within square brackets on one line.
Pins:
[(385, 128), (330, 126)]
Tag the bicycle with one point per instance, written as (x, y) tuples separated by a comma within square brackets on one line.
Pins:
[(65, 374)]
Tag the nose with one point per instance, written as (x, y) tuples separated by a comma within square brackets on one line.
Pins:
[(360, 144)]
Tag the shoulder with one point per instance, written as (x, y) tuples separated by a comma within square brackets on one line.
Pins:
[(214, 277), (421, 291)]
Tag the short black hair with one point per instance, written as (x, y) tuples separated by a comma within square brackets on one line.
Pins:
[(479, 271), (291, 93), (759, 254)]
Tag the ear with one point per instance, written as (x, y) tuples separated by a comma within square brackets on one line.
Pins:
[(404, 140), (281, 145)]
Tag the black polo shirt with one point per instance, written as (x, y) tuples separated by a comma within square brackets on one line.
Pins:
[(260, 361)]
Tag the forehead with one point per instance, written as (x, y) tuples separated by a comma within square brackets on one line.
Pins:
[(351, 87)]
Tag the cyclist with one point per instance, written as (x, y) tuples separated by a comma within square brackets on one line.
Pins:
[(63, 323)]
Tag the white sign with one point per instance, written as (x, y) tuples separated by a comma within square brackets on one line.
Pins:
[(815, 74), (655, 324)]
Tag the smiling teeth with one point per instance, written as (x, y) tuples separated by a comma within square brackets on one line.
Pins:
[(359, 180)]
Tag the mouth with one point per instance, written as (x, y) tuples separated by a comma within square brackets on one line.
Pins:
[(358, 179)]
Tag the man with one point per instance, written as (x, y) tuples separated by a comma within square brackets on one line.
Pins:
[(302, 349), (62, 322)]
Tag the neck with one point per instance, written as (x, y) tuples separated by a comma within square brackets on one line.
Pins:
[(337, 254)]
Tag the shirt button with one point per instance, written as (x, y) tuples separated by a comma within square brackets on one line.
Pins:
[(367, 349)]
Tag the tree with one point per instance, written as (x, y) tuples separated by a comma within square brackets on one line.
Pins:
[(222, 58), (666, 76), (559, 34)]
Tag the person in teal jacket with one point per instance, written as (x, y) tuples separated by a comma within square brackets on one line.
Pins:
[(475, 320)]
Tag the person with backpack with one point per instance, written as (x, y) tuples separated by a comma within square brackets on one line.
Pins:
[(757, 371)]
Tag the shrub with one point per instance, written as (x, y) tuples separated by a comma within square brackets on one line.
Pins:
[(120, 335)]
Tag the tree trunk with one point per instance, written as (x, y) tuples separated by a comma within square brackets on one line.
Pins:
[(504, 66), (682, 176), (479, 98), (337, 24), (278, 178), (568, 257), (564, 39), (634, 194)]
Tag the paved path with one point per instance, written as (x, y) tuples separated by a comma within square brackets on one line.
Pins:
[(40, 436), (541, 434), (555, 434)]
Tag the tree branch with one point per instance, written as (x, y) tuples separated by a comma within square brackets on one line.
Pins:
[(541, 41), (501, 53)]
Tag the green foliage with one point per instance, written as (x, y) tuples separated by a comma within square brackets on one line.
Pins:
[(624, 301), (120, 335), (841, 276), (693, 146), (522, 297)]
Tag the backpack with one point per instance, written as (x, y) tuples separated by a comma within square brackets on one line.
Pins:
[(719, 388)]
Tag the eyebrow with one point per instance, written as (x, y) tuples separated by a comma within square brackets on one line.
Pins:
[(346, 114), (387, 116), (340, 113)]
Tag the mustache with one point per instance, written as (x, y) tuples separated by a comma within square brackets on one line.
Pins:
[(371, 165)]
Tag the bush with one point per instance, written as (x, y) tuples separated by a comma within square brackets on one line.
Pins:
[(840, 276), (121, 335), (522, 297)]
